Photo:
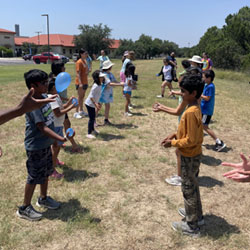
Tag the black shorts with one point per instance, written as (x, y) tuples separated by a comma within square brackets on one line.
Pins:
[(84, 86), (206, 119), (39, 165), (66, 116)]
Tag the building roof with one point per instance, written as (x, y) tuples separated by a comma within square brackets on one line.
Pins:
[(115, 44), (54, 40), (7, 31)]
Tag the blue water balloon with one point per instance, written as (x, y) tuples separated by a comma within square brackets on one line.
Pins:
[(75, 102), (62, 81), (70, 132)]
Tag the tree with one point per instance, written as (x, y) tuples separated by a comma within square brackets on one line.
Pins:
[(27, 47), (93, 38)]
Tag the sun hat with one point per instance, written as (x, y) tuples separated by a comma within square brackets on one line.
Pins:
[(107, 64), (125, 53), (102, 74), (196, 59)]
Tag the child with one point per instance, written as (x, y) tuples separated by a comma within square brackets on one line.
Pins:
[(167, 80), (188, 140), (39, 136), (127, 89), (107, 89), (175, 179), (57, 67), (59, 110), (81, 82), (207, 107), (92, 100)]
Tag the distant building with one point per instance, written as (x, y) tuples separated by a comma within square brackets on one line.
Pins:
[(59, 43), (7, 39)]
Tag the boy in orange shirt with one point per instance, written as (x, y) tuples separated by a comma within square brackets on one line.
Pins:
[(188, 140)]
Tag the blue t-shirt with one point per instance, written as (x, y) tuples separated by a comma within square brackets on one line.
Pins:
[(34, 138), (207, 107)]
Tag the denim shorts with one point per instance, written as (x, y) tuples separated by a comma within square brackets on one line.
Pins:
[(59, 131), (127, 92), (39, 165)]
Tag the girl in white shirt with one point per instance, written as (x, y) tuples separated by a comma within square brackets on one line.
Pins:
[(92, 102)]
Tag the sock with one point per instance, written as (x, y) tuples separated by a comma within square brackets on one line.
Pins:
[(218, 141), (23, 207)]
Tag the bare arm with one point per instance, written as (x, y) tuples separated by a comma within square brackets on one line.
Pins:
[(27, 104), (172, 111), (206, 98), (59, 112)]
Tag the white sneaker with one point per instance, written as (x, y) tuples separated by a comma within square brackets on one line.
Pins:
[(127, 114), (130, 107), (82, 113), (174, 180), (89, 136), (159, 96), (77, 115)]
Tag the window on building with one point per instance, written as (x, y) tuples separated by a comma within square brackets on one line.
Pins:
[(76, 50), (70, 51), (64, 51), (6, 37)]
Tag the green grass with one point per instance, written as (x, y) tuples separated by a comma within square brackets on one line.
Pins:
[(113, 195)]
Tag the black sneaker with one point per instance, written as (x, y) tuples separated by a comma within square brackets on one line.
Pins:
[(29, 213), (182, 212), (220, 146), (184, 228), (48, 203)]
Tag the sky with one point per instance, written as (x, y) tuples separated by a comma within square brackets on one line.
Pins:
[(180, 21)]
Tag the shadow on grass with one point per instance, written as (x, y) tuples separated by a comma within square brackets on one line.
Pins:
[(138, 106), (124, 125), (72, 175), (70, 211), (210, 160), (207, 181), (138, 114), (109, 137), (68, 149), (137, 97), (212, 147), (217, 227)]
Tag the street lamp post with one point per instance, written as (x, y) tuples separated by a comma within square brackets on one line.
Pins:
[(48, 33)]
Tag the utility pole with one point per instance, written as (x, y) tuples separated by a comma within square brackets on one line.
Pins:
[(38, 39), (48, 33)]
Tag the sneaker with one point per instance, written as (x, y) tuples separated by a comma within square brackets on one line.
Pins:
[(82, 113), (184, 228), (77, 115), (182, 212), (159, 96), (130, 108), (220, 146), (89, 136), (174, 180), (29, 213), (48, 203), (127, 114), (107, 122)]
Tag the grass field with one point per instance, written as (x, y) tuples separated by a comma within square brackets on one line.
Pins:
[(113, 195)]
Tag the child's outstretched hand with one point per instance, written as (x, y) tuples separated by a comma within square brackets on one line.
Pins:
[(156, 107)]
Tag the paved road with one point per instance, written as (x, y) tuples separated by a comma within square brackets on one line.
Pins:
[(14, 61)]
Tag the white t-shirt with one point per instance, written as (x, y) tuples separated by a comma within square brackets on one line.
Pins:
[(58, 121), (124, 64), (126, 86), (167, 72), (95, 93)]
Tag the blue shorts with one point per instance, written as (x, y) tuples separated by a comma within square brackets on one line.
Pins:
[(59, 131), (39, 165), (127, 92)]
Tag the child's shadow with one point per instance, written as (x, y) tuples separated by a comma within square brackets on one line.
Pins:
[(210, 160), (72, 175), (217, 227), (71, 211), (137, 97), (207, 181), (212, 147), (139, 114), (109, 137), (124, 126), (70, 150), (138, 106)]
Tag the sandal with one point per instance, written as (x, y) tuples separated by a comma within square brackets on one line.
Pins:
[(60, 163), (57, 175)]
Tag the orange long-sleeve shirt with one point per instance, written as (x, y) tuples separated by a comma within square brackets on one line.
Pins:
[(190, 132)]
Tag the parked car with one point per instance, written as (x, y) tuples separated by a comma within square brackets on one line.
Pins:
[(43, 57), (27, 57)]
